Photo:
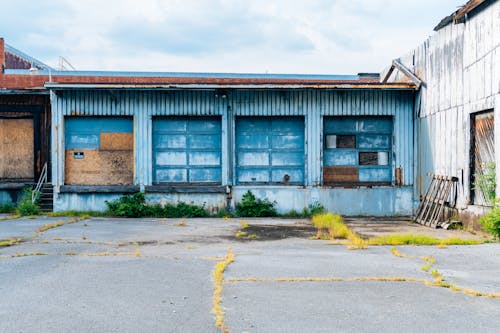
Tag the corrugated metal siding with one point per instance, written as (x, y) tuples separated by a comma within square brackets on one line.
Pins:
[(313, 104), (126, 103), (264, 103)]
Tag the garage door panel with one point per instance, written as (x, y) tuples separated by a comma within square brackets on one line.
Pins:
[(187, 145), (253, 175), (170, 141), (267, 146), (204, 174), (171, 175)]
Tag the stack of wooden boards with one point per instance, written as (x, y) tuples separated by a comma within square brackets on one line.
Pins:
[(438, 199)]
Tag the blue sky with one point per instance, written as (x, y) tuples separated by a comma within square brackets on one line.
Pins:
[(253, 36)]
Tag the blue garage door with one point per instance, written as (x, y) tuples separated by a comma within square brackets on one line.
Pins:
[(187, 150), (270, 150), (357, 150)]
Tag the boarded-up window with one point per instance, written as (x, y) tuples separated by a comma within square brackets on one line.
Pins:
[(99, 151), (357, 150), (483, 158), (187, 150), (16, 149), (270, 150)]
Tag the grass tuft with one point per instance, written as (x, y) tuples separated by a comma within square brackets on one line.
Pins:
[(334, 226), (419, 239)]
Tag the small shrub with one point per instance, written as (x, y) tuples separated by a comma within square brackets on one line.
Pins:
[(491, 221), (250, 206), (486, 182), (129, 205), (135, 205), (7, 208), (25, 206), (315, 209)]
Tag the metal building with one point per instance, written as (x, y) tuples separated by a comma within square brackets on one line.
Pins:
[(459, 104), (343, 141), (24, 126)]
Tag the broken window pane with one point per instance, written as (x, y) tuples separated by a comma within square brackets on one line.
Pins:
[(368, 158)]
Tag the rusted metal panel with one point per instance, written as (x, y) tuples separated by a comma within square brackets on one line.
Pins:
[(337, 174)]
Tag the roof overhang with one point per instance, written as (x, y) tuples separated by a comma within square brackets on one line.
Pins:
[(362, 85)]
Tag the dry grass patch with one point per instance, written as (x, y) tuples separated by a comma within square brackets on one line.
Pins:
[(218, 276), (9, 242), (332, 227)]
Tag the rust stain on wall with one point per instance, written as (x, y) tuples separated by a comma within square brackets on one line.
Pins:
[(16, 149)]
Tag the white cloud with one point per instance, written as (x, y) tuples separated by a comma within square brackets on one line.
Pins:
[(316, 36)]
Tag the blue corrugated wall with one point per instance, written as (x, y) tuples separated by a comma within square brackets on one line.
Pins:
[(312, 107)]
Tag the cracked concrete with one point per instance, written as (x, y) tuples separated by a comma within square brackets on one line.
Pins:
[(92, 280)]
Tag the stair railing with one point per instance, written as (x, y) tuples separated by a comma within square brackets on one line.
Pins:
[(43, 178)]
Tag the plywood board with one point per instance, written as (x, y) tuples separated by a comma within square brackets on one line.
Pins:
[(16, 148), (99, 167), (340, 174), (117, 141)]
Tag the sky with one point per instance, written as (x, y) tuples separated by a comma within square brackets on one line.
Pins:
[(251, 36)]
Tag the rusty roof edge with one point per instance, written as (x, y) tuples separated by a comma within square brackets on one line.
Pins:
[(467, 8), (461, 13), (152, 86)]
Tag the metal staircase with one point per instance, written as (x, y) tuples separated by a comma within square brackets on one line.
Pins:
[(44, 192)]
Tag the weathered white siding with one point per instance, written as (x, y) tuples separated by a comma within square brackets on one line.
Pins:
[(460, 67)]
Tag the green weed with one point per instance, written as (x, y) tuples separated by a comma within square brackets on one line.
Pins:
[(419, 239), (250, 206)]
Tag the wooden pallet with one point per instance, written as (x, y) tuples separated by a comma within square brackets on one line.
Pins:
[(439, 197)]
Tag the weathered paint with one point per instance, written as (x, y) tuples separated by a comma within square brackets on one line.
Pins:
[(460, 65), (83, 202), (99, 150), (187, 150), (376, 201), (97, 201), (270, 150), (230, 105), (370, 135)]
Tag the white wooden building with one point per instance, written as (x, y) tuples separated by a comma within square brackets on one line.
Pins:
[(458, 107)]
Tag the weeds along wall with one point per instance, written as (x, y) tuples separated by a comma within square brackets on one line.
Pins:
[(211, 146)]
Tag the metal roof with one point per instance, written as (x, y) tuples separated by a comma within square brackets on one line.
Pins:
[(316, 77), (35, 62), (459, 15), (213, 86)]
